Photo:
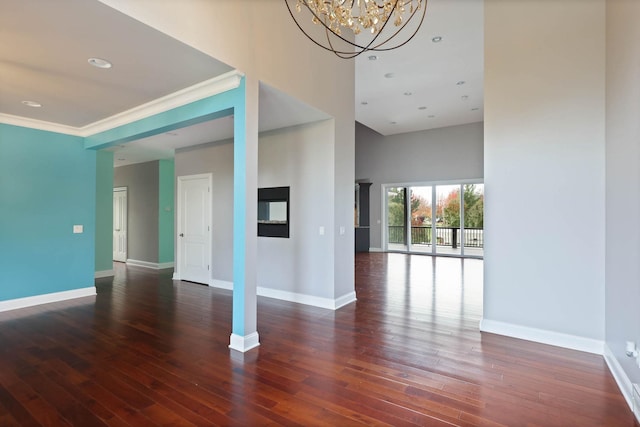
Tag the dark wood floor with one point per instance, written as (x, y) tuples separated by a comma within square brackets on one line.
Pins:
[(148, 351)]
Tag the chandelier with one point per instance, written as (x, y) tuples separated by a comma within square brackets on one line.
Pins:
[(358, 16)]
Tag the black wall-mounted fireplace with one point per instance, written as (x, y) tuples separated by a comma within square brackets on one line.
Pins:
[(273, 212)]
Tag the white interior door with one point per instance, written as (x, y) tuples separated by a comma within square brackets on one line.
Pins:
[(194, 228), (120, 224)]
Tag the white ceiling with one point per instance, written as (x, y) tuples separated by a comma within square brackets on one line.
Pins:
[(46, 44), (429, 71), (44, 52)]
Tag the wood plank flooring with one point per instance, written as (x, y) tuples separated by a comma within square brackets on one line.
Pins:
[(148, 351)]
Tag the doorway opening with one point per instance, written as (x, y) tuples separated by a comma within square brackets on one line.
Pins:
[(120, 224)]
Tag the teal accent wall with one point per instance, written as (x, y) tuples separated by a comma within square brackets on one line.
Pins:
[(47, 184), (104, 211), (166, 210)]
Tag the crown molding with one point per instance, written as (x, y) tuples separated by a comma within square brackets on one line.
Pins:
[(26, 122), (205, 89)]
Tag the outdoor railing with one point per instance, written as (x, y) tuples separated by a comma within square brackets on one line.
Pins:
[(445, 236)]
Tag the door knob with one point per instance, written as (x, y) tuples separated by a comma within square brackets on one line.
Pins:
[(181, 234)]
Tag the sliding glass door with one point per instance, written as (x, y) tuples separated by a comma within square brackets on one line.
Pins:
[(448, 220), (473, 196), (421, 224), (396, 218), (441, 219)]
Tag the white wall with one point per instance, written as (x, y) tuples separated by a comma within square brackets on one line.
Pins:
[(451, 153), (300, 157), (623, 181), (544, 170)]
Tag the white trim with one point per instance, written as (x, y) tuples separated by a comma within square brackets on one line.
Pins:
[(221, 284), (636, 398), (105, 273), (163, 265), (623, 381), (558, 339), (344, 300), (207, 88), (26, 122), (14, 304), (375, 250), (152, 265), (244, 344), (315, 301), (175, 276), (305, 299)]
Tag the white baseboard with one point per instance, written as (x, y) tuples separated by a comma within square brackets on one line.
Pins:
[(328, 303), (345, 299), (221, 284), (375, 250), (331, 304), (573, 342), (244, 344), (14, 304), (163, 265), (621, 377), (105, 273), (152, 265)]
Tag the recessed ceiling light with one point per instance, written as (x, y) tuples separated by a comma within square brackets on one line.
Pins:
[(464, 97), (461, 82), (408, 94), (422, 108), (372, 57), (389, 75), (431, 116), (364, 103), (436, 39), (33, 104), (99, 63)]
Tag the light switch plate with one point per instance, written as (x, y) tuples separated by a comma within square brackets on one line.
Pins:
[(77, 229), (321, 231)]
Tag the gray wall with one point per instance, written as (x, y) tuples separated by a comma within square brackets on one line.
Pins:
[(545, 171), (141, 181), (302, 158), (622, 318), (451, 153)]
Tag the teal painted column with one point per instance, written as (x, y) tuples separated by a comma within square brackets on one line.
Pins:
[(166, 211), (245, 218), (104, 213)]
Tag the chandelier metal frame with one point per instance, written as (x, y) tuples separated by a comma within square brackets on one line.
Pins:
[(373, 45)]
